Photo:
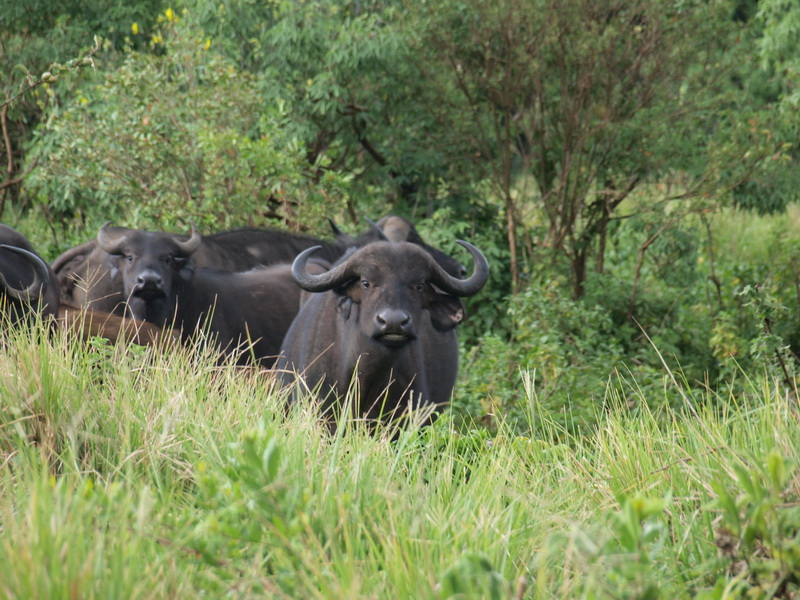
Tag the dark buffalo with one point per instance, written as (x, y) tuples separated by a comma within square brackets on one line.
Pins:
[(249, 311), (126, 271), (88, 274), (246, 314), (397, 229), (27, 283), (387, 319)]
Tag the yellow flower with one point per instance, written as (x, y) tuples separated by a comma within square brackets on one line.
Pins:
[(156, 38), (207, 45), (135, 28), (170, 14)]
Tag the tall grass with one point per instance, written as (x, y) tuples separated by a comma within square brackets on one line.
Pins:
[(130, 473)]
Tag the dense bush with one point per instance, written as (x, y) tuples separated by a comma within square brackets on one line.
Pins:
[(712, 337), (172, 135)]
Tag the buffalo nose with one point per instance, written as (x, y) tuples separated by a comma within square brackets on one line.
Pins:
[(149, 278), (393, 320)]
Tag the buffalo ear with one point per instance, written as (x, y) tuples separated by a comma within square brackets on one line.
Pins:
[(113, 266), (347, 295), (446, 311), (343, 306), (186, 272), (351, 290)]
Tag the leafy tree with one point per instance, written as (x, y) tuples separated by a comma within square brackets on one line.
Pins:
[(774, 78), (352, 83), (39, 41), (568, 107), (175, 133)]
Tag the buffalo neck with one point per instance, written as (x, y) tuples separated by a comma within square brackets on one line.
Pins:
[(385, 377)]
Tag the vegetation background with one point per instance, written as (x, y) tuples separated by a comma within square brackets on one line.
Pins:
[(625, 419)]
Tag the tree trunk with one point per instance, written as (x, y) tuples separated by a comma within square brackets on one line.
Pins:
[(578, 264), (602, 234), (511, 232)]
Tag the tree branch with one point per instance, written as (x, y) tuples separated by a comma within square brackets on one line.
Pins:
[(9, 182)]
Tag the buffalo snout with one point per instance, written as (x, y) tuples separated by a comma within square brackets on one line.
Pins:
[(149, 281), (393, 326)]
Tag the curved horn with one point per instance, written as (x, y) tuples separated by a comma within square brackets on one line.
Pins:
[(463, 287), (337, 276), (335, 228), (41, 276), (189, 247), (111, 243), (377, 230)]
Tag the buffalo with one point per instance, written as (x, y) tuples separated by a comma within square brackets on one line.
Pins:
[(381, 321), (28, 285), (246, 314), (95, 274), (89, 274)]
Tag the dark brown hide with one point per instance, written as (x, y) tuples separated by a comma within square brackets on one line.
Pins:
[(27, 284), (383, 318)]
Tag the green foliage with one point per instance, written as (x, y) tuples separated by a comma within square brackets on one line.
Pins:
[(133, 472), (570, 348), (757, 537), (707, 316), (608, 140), (622, 561), (177, 135), (43, 42), (472, 576), (564, 146), (348, 79), (769, 348)]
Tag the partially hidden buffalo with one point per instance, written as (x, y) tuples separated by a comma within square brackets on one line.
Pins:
[(28, 286), (27, 283), (381, 322), (245, 314), (89, 275), (95, 274)]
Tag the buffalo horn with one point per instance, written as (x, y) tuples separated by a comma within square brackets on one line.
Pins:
[(41, 276), (188, 247), (377, 230), (110, 242), (337, 276), (344, 272), (462, 287), (335, 228)]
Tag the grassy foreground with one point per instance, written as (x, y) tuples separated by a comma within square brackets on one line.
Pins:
[(130, 473)]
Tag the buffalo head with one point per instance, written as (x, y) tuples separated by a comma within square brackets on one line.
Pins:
[(392, 283), (151, 266)]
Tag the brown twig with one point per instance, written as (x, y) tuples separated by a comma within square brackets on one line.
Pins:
[(47, 77)]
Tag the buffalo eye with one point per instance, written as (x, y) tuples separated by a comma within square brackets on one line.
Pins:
[(420, 287), (129, 257), (365, 284), (167, 260)]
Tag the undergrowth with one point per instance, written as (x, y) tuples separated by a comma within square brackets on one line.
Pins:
[(129, 473)]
